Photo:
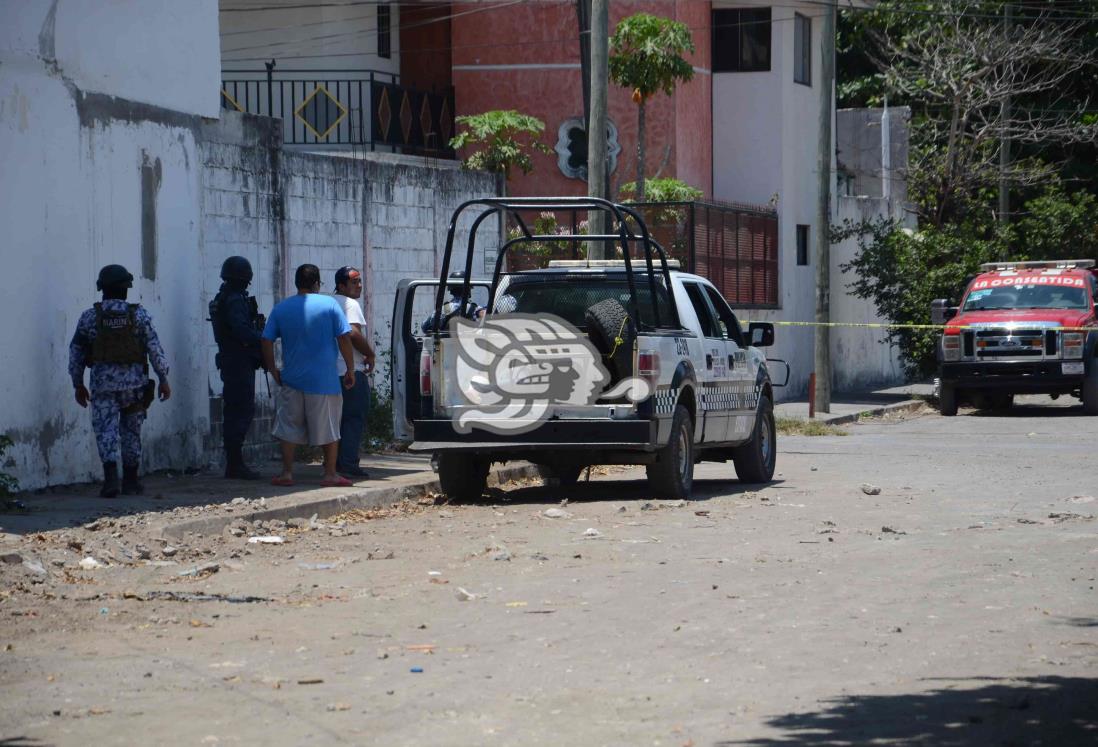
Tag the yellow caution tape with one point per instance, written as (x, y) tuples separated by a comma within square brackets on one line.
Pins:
[(879, 325)]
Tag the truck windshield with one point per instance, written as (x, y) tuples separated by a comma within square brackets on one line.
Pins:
[(1026, 297), (569, 297)]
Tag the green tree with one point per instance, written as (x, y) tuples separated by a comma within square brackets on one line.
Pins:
[(646, 55), (501, 139)]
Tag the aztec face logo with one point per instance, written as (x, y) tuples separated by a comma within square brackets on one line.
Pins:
[(514, 368)]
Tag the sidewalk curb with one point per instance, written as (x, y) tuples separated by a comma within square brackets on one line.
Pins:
[(909, 405), (362, 497)]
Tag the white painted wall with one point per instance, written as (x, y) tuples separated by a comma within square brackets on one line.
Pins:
[(70, 202), (332, 37), (764, 151)]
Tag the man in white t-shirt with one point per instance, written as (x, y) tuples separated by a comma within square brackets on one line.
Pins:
[(356, 400)]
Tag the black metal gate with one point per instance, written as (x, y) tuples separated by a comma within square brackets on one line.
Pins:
[(356, 108)]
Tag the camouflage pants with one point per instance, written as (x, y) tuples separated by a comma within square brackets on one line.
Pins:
[(117, 425)]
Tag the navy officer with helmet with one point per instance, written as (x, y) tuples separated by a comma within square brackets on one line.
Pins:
[(470, 311), (237, 324), (117, 341)]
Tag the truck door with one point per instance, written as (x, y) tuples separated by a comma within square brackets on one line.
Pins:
[(413, 305), (741, 416), (713, 378)]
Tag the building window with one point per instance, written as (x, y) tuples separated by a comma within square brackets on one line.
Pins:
[(802, 49), (384, 31), (802, 245), (741, 40)]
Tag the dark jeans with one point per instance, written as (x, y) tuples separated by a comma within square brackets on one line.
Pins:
[(238, 401), (356, 406)]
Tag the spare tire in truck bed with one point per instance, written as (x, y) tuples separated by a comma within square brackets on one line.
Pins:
[(614, 334)]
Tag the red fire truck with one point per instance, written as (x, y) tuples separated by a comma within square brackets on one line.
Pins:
[(1021, 328)]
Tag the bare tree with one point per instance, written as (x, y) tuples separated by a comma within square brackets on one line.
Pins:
[(960, 66)]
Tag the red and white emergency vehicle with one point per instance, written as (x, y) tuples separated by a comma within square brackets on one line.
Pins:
[(1021, 328)]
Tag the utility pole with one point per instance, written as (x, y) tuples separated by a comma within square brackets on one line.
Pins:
[(583, 20), (1004, 137), (596, 124), (823, 215)]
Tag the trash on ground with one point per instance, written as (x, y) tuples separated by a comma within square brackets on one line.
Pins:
[(592, 533), (463, 595), (89, 563), (871, 489), (269, 539), (206, 569)]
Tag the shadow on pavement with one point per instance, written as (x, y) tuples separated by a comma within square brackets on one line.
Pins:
[(966, 712), (62, 506), (620, 490)]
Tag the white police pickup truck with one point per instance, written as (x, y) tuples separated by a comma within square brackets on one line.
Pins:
[(582, 362)]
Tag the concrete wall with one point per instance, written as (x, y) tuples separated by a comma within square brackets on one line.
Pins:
[(92, 177), (388, 214), (860, 157)]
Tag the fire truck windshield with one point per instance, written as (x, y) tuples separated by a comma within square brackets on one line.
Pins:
[(1026, 297)]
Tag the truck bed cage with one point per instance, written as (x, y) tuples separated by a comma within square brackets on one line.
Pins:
[(621, 217)]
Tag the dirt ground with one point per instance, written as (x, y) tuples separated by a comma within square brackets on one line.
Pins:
[(919, 580)]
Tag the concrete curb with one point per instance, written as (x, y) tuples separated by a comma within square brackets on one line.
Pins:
[(363, 498), (909, 405)]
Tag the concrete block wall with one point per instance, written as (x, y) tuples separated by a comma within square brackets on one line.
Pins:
[(386, 215), (240, 209)]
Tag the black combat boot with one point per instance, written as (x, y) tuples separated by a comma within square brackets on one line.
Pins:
[(130, 484), (235, 467), (110, 480)]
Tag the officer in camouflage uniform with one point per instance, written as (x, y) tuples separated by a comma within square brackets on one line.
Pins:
[(237, 323), (117, 341)]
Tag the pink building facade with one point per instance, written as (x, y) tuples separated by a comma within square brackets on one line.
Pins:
[(527, 57)]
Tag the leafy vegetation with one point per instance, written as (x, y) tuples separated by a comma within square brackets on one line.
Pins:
[(501, 141), (971, 79), (646, 55)]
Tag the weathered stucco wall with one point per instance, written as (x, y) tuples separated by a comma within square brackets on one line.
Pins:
[(388, 215), (92, 176)]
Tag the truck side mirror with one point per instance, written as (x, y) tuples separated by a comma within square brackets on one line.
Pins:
[(761, 334), (941, 312)]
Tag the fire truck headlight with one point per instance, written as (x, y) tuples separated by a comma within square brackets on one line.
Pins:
[(951, 347), (1073, 344)]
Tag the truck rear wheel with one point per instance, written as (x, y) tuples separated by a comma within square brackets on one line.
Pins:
[(672, 474), (755, 460), (947, 400), (1090, 390), (463, 477)]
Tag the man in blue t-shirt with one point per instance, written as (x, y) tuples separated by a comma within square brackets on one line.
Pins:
[(314, 333)]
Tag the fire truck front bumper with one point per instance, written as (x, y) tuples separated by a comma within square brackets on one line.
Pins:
[(1016, 377)]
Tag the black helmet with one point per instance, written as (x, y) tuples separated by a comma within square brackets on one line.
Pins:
[(114, 276), (456, 281), (237, 268)]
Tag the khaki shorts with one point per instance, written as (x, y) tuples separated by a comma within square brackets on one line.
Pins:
[(302, 418)]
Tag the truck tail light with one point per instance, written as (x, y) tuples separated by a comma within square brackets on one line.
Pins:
[(425, 373), (1073, 344), (951, 347), (648, 366)]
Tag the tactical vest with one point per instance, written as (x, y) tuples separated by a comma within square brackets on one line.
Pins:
[(222, 333), (117, 339)]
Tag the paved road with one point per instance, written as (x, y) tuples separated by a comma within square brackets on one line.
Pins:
[(956, 607)]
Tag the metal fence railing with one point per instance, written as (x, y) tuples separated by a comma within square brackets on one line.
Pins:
[(735, 246), (355, 108)]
